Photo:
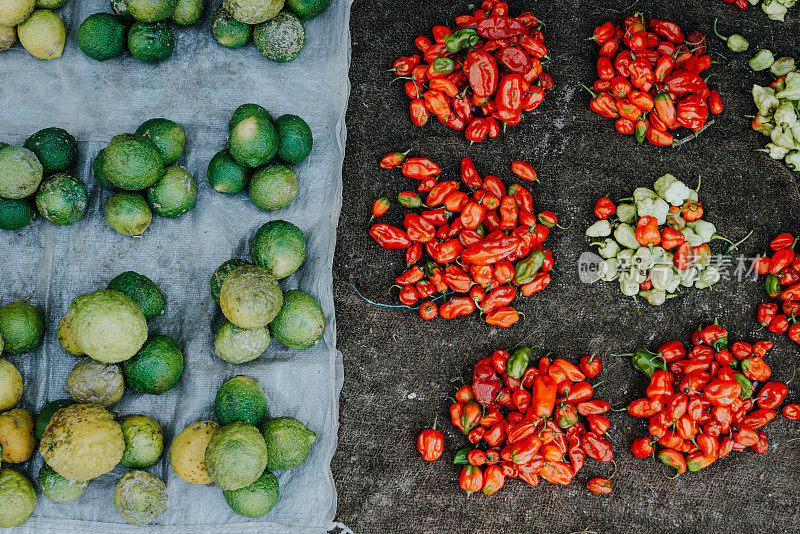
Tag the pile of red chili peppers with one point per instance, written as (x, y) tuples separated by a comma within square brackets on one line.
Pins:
[(485, 245), (782, 282), (704, 404), (649, 79), (529, 420), (484, 72)]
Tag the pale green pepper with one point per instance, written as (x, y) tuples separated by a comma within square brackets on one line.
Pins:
[(626, 213), (626, 236), (786, 114), (642, 260), (707, 278), (628, 285), (784, 137), (782, 67), (674, 282), (654, 297), (637, 275), (791, 89), (601, 228), (774, 151), (676, 221), (640, 193), (792, 160), (774, 10), (763, 124), (736, 42), (765, 99), (692, 238), (688, 277), (607, 248), (660, 255), (661, 275), (704, 229), (654, 207), (672, 190), (625, 257), (608, 270), (762, 61)]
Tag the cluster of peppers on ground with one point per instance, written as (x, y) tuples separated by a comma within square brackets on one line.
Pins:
[(704, 404), (526, 420), (781, 273), (649, 79), (656, 242), (774, 9), (478, 249), (485, 72)]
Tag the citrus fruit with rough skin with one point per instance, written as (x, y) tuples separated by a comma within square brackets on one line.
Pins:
[(188, 452), (280, 39), (128, 213), (57, 488), (295, 139), (13, 12), (43, 34), (273, 187), (240, 399), (43, 419), (228, 31), (65, 335), (151, 10), (101, 36), (301, 321), (10, 385), (253, 11), (132, 162), (240, 345), (20, 172), (221, 273), (82, 442), (250, 297), (50, 4), (187, 12), (255, 500), (120, 9), (55, 149), (62, 199), (17, 439), (97, 172), (15, 214), (288, 442), (21, 326), (280, 247), (236, 456), (108, 326), (167, 135), (245, 111), (225, 175), (151, 42), (307, 9), (156, 368), (174, 194), (8, 36), (17, 498), (140, 497), (253, 142), (94, 382), (143, 291), (144, 441)]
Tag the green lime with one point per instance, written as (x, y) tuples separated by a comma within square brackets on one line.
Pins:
[(55, 148), (253, 11), (187, 12), (295, 139), (120, 9), (128, 213), (239, 345), (225, 175), (144, 441), (167, 135), (143, 291), (21, 326), (50, 4), (47, 413), (174, 194), (307, 9), (151, 10), (97, 171), (17, 498), (132, 162), (301, 321), (221, 273), (280, 39), (280, 247), (250, 297), (240, 399), (245, 111), (13, 12), (252, 142), (8, 36), (43, 34), (288, 442), (15, 213), (57, 488), (228, 31), (236, 456), (95, 382), (10, 383), (255, 500), (151, 42), (156, 368), (273, 187), (101, 36), (62, 199), (140, 497), (20, 172)]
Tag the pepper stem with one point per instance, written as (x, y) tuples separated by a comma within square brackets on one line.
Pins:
[(733, 245), (435, 420), (594, 95)]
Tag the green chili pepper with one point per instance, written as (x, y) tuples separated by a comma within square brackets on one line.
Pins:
[(517, 363), (601, 228), (792, 160), (626, 236), (461, 456), (526, 269), (707, 278), (409, 199), (773, 285), (747, 386), (645, 361), (461, 40), (736, 42), (608, 270), (762, 61), (654, 297), (783, 66), (626, 213), (607, 248), (443, 65)]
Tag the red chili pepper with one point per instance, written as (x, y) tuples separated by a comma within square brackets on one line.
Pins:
[(420, 168), (599, 486), (481, 69), (430, 443), (642, 100), (419, 113), (428, 311), (471, 479), (647, 232), (642, 76), (389, 237), (659, 138)]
